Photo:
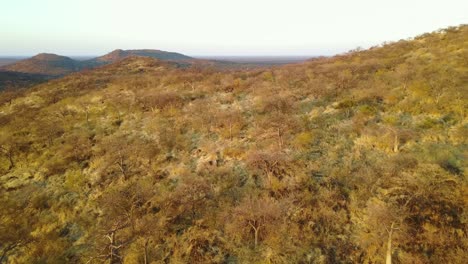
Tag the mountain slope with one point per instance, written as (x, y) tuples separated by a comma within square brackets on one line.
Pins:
[(156, 54), (119, 54), (15, 80), (335, 160), (55, 65), (46, 64)]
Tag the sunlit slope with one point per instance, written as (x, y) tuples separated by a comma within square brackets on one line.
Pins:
[(335, 160)]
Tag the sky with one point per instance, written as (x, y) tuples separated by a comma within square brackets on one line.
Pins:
[(217, 27)]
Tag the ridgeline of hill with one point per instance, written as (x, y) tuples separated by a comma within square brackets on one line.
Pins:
[(56, 65), (43, 67), (45, 64), (119, 54), (356, 158)]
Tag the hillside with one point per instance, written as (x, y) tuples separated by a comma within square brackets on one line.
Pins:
[(52, 65), (16, 80), (119, 54), (180, 59), (335, 160), (49, 66), (45, 64)]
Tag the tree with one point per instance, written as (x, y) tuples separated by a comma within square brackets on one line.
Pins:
[(125, 155), (230, 122), (13, 141), (189, 198), (255, 217), (18, 220), (384, 219), (271, 164), (122, 206), (407, 209), (275, 127)]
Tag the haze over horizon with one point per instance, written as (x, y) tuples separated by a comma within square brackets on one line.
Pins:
[(217, 28)]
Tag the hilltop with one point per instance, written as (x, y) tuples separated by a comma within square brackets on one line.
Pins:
[(334, 160), (52, 65), (119, 54), (45, 64)]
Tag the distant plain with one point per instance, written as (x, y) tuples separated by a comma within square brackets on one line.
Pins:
[(9, 60)]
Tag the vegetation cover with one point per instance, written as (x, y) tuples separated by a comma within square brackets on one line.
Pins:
[(357, 158)]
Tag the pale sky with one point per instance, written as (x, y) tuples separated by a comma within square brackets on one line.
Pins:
[(217, 27)]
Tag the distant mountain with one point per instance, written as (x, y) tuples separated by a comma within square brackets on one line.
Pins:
[(45, 64), (119, 54), (56, 65), (157, 54), (51, 66)]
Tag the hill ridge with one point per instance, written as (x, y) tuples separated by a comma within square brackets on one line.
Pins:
[(58, 65)]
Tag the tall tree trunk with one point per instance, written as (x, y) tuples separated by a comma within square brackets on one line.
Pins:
[(256, 237), (396, 139), (388, 259), (255, 228), (230, 133), (121, 164), (396, 143), (87, 117), (146, 252), (269, 176), (9, 153), (10, 159), (280, 139), (112, 258)]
